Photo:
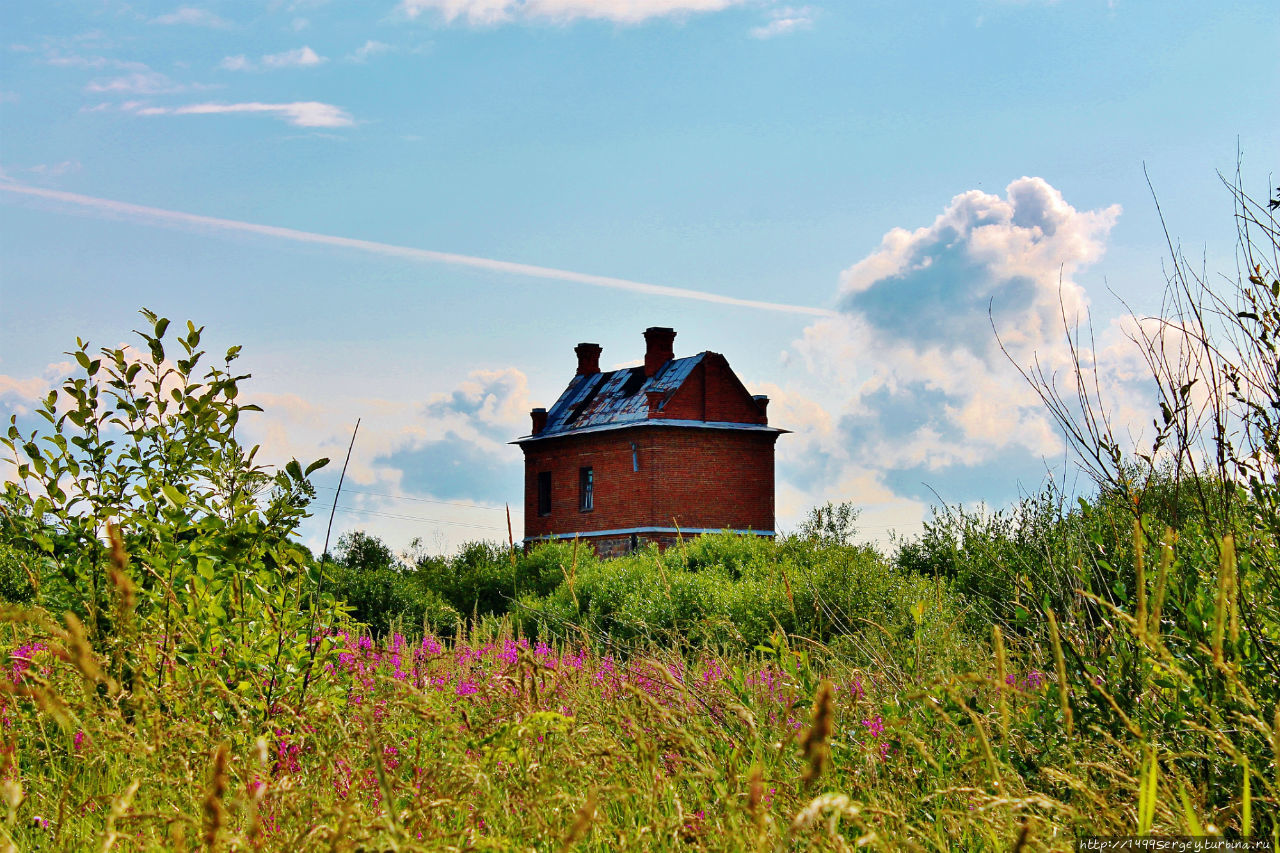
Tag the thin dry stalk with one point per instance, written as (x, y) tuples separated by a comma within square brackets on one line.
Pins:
[(1275, 743), (1140, 570), (257, 792), (1162, 580), (1002, 678), (215, 815), (813, 743), (81, 655), (126, 591), (581, 822), (119, 806), (1060, 667), (992, 764), (755, 796), (1024, 835), (1224, 603)]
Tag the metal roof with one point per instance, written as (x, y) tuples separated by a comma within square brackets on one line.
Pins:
[(621, 398), (657, 422)]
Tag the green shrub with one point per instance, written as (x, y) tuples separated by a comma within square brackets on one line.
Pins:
[(18, 578), (724, 589), (383, 593), (147, 512)]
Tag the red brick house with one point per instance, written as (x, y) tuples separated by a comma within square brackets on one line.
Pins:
[(633, 455)]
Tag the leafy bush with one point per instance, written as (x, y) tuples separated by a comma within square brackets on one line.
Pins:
[(381, 592), (738, 591), (18, 581), (146, 509)]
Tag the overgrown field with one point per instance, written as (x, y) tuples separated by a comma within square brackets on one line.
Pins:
[(177, 672), (490, 742), (920, 734)]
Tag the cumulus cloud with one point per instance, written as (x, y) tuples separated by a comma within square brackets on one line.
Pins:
[(20, 395), (298, 113), (192, 17), (438, 467), (452, 444), (487, 12), (918, 386), (785, 20), (458, 448), (302, 57)]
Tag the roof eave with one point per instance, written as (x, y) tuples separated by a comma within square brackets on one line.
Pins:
[(652, 422)]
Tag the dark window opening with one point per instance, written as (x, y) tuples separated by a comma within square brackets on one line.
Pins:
[(544, 493), (635, 542), (586, 490)]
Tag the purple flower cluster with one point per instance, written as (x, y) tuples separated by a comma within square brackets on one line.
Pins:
[(1034, 680)]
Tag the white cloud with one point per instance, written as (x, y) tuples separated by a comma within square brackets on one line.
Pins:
[(368, 50), (302, 57), (785, 20), (193, 17), (486, 12), (20, 396), (239, 62), (438, 467), (73, 60), (915, 381), (299, 113), (137, 83)]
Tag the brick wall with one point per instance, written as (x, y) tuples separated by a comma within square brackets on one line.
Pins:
[(712, 392), (698, 477)]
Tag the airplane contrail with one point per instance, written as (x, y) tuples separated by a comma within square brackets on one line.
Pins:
[(157, 215)]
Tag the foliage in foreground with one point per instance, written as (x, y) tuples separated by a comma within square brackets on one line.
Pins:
[(487, 741), (137, 511)]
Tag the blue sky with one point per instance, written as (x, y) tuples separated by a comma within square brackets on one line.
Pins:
[(878, 173)]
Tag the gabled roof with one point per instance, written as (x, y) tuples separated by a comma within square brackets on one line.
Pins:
[(621, 398)]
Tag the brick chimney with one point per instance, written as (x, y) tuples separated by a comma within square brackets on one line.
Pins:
[(588, 358), (539, 417), (763, 402), (659, 342)]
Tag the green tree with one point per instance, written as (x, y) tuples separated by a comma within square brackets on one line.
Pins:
[(830, 524)]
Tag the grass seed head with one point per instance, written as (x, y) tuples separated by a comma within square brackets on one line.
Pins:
[(813, 743), (581, 822), (215, 816)]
